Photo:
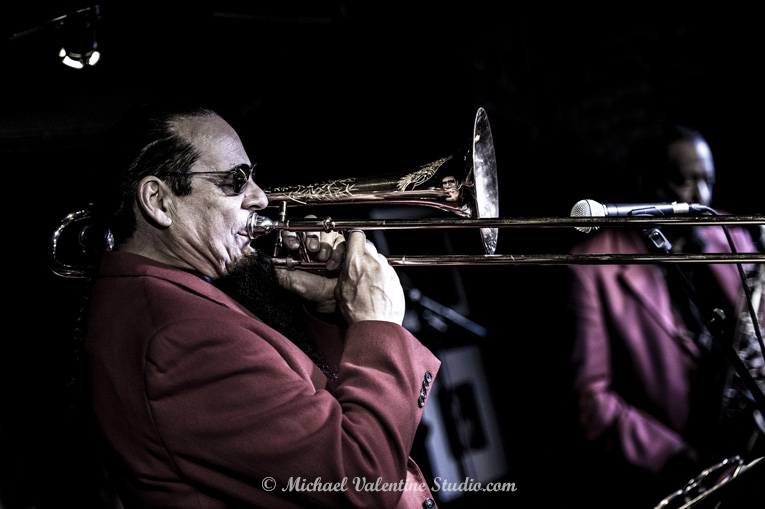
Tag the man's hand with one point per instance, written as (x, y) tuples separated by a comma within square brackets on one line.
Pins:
[(368, 288)]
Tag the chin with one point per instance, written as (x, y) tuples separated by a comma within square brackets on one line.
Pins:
[(247, 254)]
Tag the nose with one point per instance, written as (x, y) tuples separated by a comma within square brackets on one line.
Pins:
[(703, 192), (254, 197)]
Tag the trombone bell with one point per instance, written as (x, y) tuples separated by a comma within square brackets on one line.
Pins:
[(464, 184)]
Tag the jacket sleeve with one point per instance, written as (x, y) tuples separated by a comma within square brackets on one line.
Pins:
[(233, 411)]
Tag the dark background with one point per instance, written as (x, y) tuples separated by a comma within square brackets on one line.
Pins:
[(321, 89)]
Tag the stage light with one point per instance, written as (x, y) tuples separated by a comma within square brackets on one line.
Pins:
[(75, 36), (80, 47), (79, 61)]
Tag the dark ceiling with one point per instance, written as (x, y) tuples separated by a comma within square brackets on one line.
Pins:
[(324, 87)]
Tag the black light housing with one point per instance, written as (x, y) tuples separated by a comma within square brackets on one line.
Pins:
[(80, 47)]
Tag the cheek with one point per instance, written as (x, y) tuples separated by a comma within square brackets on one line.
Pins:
[(212, 221), (204, 228), (223, 225)]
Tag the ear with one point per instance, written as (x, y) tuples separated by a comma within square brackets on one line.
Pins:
[(154, 199)]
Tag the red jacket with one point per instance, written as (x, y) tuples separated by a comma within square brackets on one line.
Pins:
[(625, 311), (200, 404)]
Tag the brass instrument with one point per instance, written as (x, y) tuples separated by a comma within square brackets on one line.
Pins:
[(747, 342), (732, 483), (79, 243), (474, 200), (463, 184), (729, 484)]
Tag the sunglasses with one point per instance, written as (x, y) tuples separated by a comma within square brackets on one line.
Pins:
[(240, 175)]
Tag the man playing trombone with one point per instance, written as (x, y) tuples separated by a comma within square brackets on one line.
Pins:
[(209, 387)]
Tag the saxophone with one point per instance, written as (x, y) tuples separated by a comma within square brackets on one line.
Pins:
[(747, 341), (726, 484)]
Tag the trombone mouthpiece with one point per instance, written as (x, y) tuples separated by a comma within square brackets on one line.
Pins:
[(258, 225)]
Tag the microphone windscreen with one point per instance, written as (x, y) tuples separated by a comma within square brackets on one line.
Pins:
[(588, 208)]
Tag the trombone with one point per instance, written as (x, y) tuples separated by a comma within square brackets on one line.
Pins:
[(463, 184)]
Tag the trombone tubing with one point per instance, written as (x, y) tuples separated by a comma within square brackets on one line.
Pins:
[(329, 224), (541, 259)]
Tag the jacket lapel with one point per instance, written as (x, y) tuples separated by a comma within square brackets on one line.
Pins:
[(647, 284), (650, 292)]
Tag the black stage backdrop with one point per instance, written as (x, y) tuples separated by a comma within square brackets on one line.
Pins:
[(325, 89)]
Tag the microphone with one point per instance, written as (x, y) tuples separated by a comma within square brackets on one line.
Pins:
[(591, 208)]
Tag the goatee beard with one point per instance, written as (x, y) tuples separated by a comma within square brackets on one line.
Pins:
[(254, 284)]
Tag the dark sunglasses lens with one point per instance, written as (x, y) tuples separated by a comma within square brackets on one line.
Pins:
[(241, 176)]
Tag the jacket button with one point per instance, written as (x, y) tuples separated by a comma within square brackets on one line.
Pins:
[(421, 402), (429, 503), (428, 377)]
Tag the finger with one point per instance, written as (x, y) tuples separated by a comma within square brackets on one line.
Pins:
[(312, 243), (327, 243), (291, 240), (294, 241), (311, 239), (355, 243), (337, 255)]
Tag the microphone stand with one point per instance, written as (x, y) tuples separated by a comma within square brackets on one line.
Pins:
[(713, 319)]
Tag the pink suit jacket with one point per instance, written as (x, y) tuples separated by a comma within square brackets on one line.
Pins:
[(200, 404), (628, 307)]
